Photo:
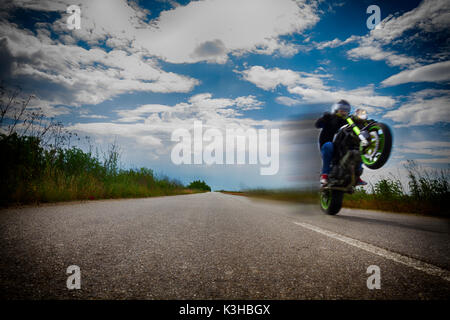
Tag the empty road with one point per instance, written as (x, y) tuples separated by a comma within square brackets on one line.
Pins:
[(218, 246)]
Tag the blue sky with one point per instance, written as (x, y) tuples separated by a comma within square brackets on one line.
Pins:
[(137, 70)]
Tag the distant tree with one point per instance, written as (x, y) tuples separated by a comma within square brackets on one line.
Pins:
[(199, 185)]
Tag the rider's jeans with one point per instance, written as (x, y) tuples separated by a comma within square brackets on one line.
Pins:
[(327, 156)]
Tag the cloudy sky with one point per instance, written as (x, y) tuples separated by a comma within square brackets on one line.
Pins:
[(137, 70)]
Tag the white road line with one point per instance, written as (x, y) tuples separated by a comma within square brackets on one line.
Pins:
[(410, 262)]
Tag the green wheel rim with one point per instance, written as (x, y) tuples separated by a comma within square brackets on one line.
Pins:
[(371, 147), (325, 199)]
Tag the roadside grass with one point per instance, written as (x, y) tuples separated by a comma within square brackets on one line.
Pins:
[(31, 173), (38, 162), (427, 193)]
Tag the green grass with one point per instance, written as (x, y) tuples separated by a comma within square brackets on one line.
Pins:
[(38, 163), (33, 174), (427, 192)]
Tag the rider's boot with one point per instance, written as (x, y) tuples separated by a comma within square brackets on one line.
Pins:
[(323, 180), (361, 182)]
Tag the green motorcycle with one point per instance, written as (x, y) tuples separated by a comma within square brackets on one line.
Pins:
[(359, 141)]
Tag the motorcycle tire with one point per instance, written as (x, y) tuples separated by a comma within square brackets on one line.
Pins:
[(331, 201), (383, 149)]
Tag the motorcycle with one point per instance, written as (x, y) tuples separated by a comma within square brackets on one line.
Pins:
[(360, 141)]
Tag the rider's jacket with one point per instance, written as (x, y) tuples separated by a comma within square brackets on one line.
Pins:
[(330, 124)]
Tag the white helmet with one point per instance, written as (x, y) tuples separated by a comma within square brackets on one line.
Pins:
[(341, 105)]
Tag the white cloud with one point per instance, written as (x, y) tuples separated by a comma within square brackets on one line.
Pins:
[(248, 103), (210, 30), (330, 44), (93, 116), (369, 48), (436, 72), (312, 89), (139, 113), (199, 104), (428, 148), (438, 150), (269, 79), (433, 160), (364, 97), (151, 125), (205, 30), (425, 107), (431, 16), (373, 51), (287, 101), (336, 42), (82, 76)]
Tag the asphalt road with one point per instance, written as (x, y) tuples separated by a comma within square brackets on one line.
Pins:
[(217, 246)]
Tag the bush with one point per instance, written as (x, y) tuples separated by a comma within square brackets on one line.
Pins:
[(199, 185), (428, 193), (388, 189), (22, 161), (426, 184)]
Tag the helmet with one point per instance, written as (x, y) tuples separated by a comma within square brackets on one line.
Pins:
[(341, 105)]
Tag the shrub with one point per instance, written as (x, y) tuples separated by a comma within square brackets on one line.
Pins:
[(427, 184), (388, 189), (199, 185)]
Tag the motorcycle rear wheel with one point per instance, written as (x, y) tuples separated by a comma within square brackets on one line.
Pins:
[(331, 201)]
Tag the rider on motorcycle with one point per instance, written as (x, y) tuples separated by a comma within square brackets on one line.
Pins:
[(330, 123)]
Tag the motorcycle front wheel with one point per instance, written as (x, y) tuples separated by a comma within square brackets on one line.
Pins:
[(331, 201), (377, 153)]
